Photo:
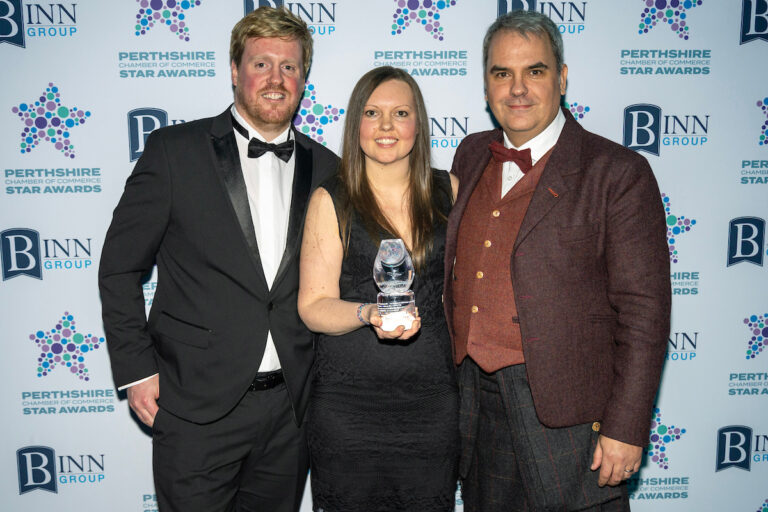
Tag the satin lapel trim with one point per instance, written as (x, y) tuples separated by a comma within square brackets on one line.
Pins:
[(565, 160), (302, 184), (228, 167)]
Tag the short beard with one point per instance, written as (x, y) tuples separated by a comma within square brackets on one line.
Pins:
[(266, 116)]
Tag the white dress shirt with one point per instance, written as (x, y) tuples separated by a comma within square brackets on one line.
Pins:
[(269, 184), (539, 145)]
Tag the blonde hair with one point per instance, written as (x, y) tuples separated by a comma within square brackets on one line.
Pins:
[(270, 22)]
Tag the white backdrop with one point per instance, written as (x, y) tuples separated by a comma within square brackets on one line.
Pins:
[(685, 82)]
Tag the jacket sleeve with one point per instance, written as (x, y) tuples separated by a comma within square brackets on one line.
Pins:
[(130, 246), (637, 261)]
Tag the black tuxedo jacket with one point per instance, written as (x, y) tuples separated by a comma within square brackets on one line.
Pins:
[(185, 208)]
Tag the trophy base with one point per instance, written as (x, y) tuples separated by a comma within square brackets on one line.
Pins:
[(396, 309)]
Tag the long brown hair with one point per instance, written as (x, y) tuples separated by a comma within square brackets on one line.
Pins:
[(357, 193)]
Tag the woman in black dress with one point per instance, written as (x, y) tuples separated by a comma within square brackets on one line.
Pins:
[(383, 416)]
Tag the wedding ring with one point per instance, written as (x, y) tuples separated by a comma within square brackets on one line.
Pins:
[(628, 471)]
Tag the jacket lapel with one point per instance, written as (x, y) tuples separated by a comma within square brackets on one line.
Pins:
[(565, 159), (302, 185), (227, 161), (481, 157)]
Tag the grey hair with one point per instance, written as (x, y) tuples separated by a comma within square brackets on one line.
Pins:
[(526, 23)]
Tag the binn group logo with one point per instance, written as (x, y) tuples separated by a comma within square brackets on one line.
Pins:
[(738, 447), (46, 119), (676, 225), (23, 253), (312, 117), (661, 436), (754, 20), (426, 13), (40, 468), (19, 20), (763, 105), (169, 13), (570, 17), (672, 13), (20, 253), (63, 346), (746, 241), (142, 122), (646, 128), (320, 17), (37, 469), (682, 345), (447, 131)]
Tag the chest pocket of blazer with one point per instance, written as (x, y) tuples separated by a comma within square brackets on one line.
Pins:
[(577, 258), (574, 234), (183, 332)]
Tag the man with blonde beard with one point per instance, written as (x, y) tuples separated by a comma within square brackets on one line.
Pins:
[(220, 368)]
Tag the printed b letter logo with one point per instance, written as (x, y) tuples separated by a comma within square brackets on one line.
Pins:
[(754, 20), (11, 23), (506, 6), (20, 249), (642, 128), (37, 469), (249, 4), (746, 239), (142, 122), (734, 447)]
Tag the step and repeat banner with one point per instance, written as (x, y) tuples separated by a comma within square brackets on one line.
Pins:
[(683, 82)]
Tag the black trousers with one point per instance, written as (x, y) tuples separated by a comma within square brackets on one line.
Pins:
[(253, 459), (513, 462)]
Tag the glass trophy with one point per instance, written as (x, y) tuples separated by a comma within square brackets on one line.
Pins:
[(393, 273)]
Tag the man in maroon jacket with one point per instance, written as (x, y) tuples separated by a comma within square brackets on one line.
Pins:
[(557, 291)]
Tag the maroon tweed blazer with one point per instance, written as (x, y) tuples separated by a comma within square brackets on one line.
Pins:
[(590, 267)]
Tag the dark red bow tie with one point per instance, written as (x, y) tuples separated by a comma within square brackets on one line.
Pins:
[(501, 154)]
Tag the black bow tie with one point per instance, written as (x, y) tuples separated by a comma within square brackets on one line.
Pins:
[(257, 147)]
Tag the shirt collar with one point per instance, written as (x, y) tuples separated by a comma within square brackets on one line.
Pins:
[(252, 133), (544, 141)]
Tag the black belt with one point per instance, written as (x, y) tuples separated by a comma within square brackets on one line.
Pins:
[(266, 380)]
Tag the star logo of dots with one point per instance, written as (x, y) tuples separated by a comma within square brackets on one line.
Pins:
[(758, 329), (667, 12), (676, 226), (578, 111), (164, 12), (420, 12), (312, 117), (763, 507), (661, 436), (763, 105), (64, 346), (46, 119)]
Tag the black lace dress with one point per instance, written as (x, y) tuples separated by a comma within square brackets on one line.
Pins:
[(383, 416)]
